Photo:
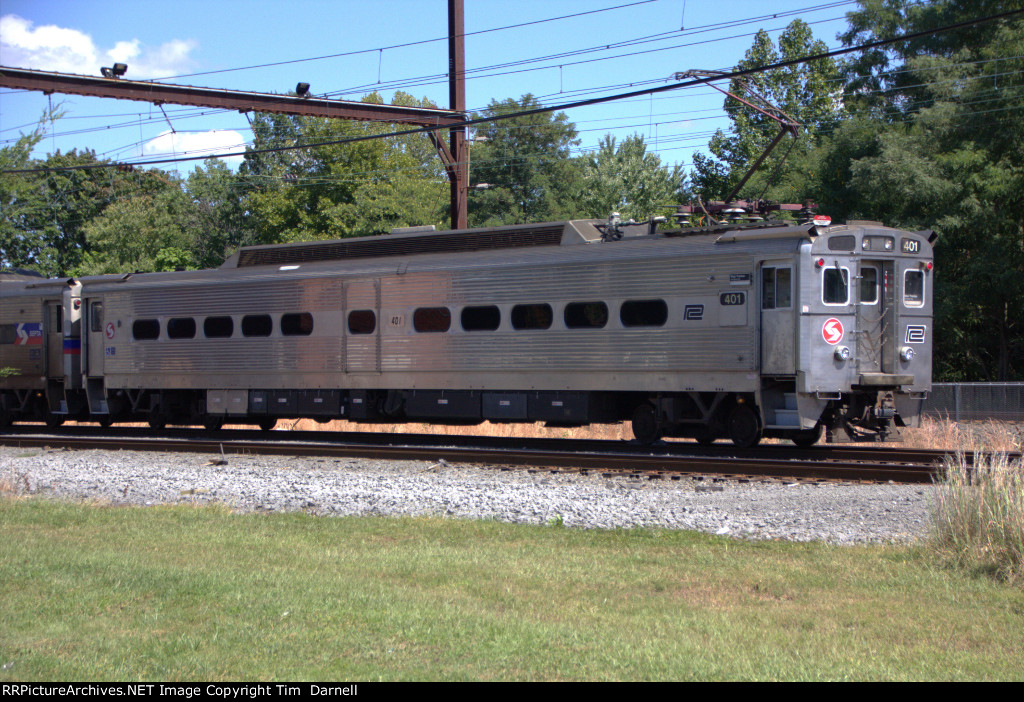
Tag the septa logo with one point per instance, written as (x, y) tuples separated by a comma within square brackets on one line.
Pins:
[(832, 331)]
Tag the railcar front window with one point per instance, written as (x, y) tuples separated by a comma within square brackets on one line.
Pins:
[(836, 286), (913, 289)]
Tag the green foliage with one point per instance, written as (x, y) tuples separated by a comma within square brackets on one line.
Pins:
[(525, 164), (627, 180), (808, 93), (340, 190)]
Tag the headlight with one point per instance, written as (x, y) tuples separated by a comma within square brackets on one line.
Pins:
[(842, 353), (906, 354)]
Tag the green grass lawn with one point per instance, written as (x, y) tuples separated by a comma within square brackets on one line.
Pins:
[(182, 593)]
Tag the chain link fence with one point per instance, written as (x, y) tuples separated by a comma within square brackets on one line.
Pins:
[(964, 402)]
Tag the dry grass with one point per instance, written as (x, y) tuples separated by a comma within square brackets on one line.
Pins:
[(978, 514)]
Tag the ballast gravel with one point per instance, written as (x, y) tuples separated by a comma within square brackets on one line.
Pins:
[(802, 511)]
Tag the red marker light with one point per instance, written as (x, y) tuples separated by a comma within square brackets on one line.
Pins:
[(820, 263)]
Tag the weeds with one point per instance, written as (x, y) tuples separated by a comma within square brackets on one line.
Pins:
[(978, 515)]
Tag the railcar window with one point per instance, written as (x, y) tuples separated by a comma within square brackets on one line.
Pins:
[(8, 333), (362, 322), (913, 288), (868, 286), (145, 329), (218, 327), (181, 328), (96, 317), (257, 325), (846, 242), (835, 289), (432, 319), (586, 315), (485, 318), (532, 316), (776, 288), (643, 313), (297, 324)]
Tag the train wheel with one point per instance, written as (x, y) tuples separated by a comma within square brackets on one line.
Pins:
[(53, 421), (808, 437), (267, 424), (106, 421), (157, 420), (5, 419), (213, 423), (744, 426), (645, 424)]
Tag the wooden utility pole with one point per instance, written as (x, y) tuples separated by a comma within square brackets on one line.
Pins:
[(459, 177)]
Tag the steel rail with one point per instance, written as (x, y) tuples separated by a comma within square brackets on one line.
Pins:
[(613, 461)]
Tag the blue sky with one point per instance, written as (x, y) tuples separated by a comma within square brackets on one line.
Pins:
[(201, 43)]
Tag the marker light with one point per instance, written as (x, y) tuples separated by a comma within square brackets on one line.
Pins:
[(928, 265), (820, 263), (906, 354), (842, 353)]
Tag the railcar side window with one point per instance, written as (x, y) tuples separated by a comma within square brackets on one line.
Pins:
[(776, 288), (145, 329), (8, 333), (297, 324), (218, 327), (868, 286), (362, 322), (257, 325), (586, 315), (181, 328), (532, 316), (835, 289), (913, 288), (485, 318), (96, 317), (643, 313), (432, 319)]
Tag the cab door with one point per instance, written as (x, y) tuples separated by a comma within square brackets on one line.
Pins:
[(54, 340), (778, 319), (874, 348)]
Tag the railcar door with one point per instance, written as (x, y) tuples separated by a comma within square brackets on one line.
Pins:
[(778, 324), (361, 337), (54, 340), (94, 343), (874, 347)]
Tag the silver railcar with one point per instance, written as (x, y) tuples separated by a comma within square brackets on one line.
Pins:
[(738, 332)]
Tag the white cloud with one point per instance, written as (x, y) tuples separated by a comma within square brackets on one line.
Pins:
[(53, 48), (175, 144)]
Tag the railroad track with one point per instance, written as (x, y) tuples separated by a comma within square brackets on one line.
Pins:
[(671, 459)]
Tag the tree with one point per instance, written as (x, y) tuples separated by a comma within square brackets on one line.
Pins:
[(521, 166), (809, 93), (938, 143), (339, 190), (627, 180)]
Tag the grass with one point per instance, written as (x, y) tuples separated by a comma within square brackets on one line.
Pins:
[(978, 515), (180, 593)]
